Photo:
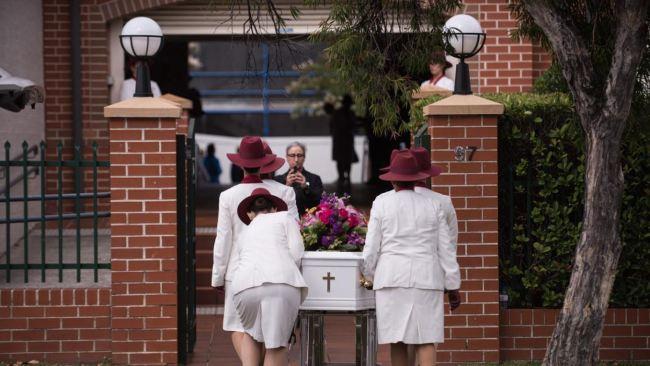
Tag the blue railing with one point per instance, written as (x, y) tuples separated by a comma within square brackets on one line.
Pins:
[(265, 92)]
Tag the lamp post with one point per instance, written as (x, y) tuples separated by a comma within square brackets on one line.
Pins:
[(463, 38), (141, 38)]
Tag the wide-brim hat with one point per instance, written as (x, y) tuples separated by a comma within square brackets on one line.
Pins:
[(438, 57), (404, 168), (274, 165), (392, 156), (245, 204), (423, 156), (251, 153)]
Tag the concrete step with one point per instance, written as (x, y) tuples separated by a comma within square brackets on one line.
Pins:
[(205, 294)]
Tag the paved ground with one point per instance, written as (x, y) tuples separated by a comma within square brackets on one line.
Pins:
[(213, 347)]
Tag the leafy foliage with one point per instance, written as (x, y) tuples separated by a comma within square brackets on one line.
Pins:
[(541, 181), (374, 48), (541, 157)]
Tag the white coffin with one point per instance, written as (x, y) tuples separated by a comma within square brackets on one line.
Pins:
[(344, 272)]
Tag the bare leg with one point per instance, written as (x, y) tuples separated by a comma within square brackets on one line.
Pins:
[(251, 351), (410, 351), (237, 338), (276, 357), (426, 354), (398, 354)]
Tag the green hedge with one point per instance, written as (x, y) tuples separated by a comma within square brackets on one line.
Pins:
[(541, 189)]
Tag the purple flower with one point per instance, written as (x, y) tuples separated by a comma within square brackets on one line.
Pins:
[(326, 240)]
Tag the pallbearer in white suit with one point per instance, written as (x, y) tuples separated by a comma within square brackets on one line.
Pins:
[(423, 156), (251, 157), (410, 259), (267, 285)]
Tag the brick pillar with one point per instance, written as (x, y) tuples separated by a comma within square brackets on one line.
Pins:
[(186, 104), (472, 331), (143, 231)]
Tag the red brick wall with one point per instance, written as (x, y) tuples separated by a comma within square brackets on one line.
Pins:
[(472, 331), (525, 333), (143, 240), (503, 65), (95, 91), (55, 325)]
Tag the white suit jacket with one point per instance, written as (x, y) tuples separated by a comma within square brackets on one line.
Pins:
[(269, 250), (408, 244), (288, 195), (447, 209), (229, 226)]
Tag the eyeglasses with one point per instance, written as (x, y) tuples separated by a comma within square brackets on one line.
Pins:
[(293, 156)]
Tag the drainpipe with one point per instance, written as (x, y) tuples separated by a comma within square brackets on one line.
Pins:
[(75, 40)]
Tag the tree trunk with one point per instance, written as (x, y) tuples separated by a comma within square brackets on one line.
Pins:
[(576, 338)]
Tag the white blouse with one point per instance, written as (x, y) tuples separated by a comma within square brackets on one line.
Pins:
[(444, 82)]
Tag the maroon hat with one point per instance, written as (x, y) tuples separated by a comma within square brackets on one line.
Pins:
[(404, 168), (274, 165), (423, 156), (251, 153), (245, 204), (392, 156)]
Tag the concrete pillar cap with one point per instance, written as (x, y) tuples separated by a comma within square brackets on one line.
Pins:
[(463, 105), (183, 102), (144, 107)]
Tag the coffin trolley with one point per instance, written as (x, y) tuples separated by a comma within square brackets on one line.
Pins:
[(335, 289)]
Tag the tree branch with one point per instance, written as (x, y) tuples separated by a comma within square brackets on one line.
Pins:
[(631, 35), (570, 50)]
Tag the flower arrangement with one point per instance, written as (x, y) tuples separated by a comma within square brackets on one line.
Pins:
[(334, 225)]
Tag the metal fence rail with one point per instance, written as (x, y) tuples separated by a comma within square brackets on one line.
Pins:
[(76, 165)]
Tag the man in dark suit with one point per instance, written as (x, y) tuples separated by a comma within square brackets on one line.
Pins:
[(308, 186)]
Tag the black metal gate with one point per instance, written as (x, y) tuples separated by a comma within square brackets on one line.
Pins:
[(185, 195)]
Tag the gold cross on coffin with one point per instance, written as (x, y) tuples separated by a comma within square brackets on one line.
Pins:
[(328, 278)]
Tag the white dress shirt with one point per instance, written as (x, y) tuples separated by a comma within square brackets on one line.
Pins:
[(269, 250), (128, 89), (447, 208), (408, 244), (288, 195), (229, 226)]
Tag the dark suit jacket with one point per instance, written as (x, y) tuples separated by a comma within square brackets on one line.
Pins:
[(309, 196)]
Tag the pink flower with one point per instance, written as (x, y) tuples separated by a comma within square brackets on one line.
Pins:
[(343, 213), (353, 220), (324, 215)]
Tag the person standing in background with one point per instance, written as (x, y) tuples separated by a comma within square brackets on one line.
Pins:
[(212, 164), (307, 186), (438, 64), (342, 126), (287, 194)]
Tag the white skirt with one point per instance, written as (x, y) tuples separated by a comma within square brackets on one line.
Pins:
[(231, 322), (410, 315), (268, 312)]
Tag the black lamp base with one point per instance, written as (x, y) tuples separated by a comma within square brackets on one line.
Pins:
[(142, 81), (462, 85)]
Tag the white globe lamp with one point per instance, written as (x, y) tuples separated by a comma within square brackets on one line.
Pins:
[(142, 38), (463, 37)]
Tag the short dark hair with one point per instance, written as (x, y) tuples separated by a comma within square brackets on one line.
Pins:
[(261, 204), (252, 170), (211, 149), (404, 185)]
